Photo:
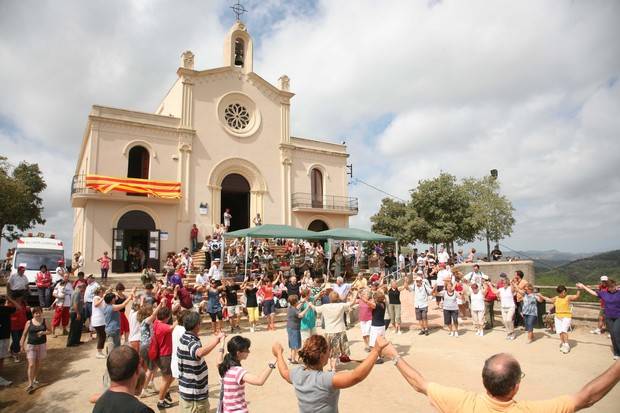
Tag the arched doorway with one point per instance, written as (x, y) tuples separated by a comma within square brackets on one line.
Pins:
[(138, 164), (236, 198), (317, 226), (135, 243)]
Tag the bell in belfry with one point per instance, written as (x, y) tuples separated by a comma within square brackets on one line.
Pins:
[(239, 52), (238, 59)]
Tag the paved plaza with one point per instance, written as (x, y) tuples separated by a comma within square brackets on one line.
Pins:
[(74, 374)]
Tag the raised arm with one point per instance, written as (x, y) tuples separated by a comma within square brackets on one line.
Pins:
[(597, 388), (587, 289), (278, 352), (413, 377), (124, 304), (574, 297), (346, 379), (203, 351)]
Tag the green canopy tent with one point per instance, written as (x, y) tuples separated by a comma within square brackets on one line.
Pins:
[(267, 231), (355, 234), (273, 231)]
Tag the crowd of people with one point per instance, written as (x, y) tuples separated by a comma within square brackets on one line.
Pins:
[(150, 336)]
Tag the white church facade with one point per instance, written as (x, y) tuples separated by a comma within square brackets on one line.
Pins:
[(220, 139)]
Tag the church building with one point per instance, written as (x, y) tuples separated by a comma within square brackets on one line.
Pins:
[(219, 140)]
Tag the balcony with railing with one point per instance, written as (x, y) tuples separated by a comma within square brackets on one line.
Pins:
[(85, 187), (327, 203)]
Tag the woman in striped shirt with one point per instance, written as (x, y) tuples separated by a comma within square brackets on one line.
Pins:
[(234, 377)]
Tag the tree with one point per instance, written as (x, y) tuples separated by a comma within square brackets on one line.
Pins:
[(492, 211), (443, 212), (20, 204), (393, 219)]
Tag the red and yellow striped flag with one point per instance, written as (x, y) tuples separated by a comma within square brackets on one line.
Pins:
[(159, 189)]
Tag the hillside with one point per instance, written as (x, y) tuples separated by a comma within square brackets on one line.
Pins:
[(587, 270)]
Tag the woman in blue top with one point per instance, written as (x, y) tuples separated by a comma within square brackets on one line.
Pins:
[(308, 322), (214, 306), (529, 310)]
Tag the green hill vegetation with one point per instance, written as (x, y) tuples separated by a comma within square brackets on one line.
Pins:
[(585, 270)]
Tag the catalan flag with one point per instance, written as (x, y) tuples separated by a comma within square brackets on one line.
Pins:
[(159, 189)]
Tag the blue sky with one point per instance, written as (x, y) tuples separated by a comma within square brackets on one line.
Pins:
[(414, 87)]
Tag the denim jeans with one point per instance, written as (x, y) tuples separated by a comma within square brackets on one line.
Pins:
[(115, 336), (613, 326), (44, 297), (16, 336)]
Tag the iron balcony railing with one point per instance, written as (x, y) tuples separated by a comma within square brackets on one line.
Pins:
[(341, 203), (78, 185)]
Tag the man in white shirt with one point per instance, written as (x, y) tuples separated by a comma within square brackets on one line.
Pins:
[(475, 277), (443, 256), (215, 273), (422, 292), (401, 261), (342, 289), (443, 275), (18, 283), (91, 287)]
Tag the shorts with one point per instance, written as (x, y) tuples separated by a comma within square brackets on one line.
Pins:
[(217, 316), (338, 344), (562, 325), (36, 351), (269, 307), (252, 314), (4, 348), (530, 321), (365, 327), (375, 331), (194, 406), (307, 333), (233, 310), (450, 317), (421, 314), (144, 356), (294, 339), (163, 362)]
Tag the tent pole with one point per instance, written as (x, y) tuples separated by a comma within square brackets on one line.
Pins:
[(245, 267)]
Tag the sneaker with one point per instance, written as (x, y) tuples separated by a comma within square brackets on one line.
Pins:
[(399, 333), (251, 329), (455, 334), (595, 331), (35, 382), (427, 332), (511, 337), (16, 358), (481, 333), (450, 333), (567, 348), (100, 356), (422, 332), (29, 389), (4, 382), (163, 404)]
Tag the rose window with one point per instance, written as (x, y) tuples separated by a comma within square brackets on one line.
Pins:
[(237, 116)]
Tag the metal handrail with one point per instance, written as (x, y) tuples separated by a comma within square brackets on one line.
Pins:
[(306, 200)]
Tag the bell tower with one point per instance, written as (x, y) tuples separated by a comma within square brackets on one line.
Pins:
[(238, 48)]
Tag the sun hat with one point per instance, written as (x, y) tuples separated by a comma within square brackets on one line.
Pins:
[(604, 278)]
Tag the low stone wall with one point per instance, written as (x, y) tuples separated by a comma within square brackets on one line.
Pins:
[(493, 269)]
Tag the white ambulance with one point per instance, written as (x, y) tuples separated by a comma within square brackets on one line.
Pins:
[(35, 251)]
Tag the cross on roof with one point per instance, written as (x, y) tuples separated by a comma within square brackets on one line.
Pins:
[(238, 9)]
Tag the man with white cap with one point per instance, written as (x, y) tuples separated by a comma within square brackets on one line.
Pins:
[(18, 283), (601, 315), (422, 292)]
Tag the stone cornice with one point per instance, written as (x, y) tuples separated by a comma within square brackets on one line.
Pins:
[(284, 146)]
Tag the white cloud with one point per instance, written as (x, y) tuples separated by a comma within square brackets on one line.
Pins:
[(530, 88)]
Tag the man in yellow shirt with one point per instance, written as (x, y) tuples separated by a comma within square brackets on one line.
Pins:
[(501, 377)]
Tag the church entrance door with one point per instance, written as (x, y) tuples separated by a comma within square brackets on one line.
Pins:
[(135, 243), (236, 198)]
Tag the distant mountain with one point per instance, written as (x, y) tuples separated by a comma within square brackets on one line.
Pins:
[(587, 270)]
